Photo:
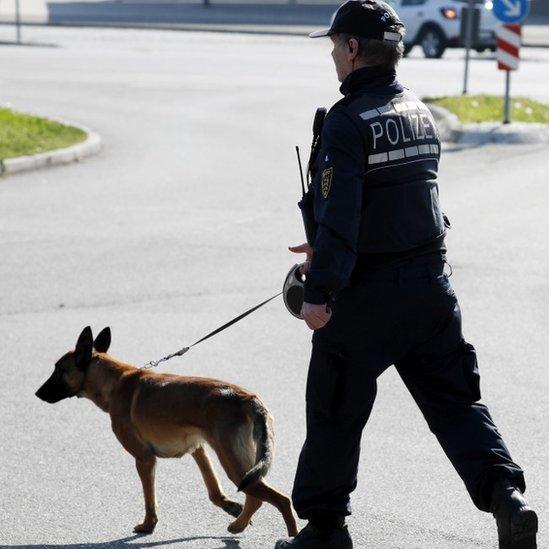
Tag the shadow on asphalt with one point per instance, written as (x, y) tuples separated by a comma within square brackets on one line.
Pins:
[(132, 542)]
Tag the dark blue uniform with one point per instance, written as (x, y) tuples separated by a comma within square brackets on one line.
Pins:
[(379, 263)]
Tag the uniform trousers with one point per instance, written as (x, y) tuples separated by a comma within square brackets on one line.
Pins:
[(409, 317)]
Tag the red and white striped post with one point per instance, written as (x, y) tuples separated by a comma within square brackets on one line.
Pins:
[(509, 38)]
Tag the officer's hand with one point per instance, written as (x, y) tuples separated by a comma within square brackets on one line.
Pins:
[(316, 316), (303, 249)]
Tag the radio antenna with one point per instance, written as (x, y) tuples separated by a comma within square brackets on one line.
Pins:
[(300, 169)]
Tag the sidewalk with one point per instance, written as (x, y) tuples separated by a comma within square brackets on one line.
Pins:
[(221, 15), (164, 13), (536, 36)]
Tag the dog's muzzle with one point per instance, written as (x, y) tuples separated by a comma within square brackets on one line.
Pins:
[(292, 291), (54, 390)]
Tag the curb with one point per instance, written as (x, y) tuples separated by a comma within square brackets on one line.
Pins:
[(90, 146), (448, 124), (223, 28), (230, 28), (453, 131)]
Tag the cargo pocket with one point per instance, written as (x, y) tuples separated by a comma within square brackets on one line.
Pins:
[(470, 371), (321, 384), (338, 367)]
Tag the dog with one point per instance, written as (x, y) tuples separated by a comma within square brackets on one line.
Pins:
[(166, 415)]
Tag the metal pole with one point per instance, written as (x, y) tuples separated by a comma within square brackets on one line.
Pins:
[(468, 41), (17, 21), (507, 108)]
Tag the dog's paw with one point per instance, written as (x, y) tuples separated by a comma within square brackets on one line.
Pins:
[(232, 507), (236, 527), (144, 528)]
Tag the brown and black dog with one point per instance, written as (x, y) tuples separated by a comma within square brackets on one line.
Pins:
[(166, 415)]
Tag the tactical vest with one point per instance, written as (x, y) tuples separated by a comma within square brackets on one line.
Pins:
[(400, 207)]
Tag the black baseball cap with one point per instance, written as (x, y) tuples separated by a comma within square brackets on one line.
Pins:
[(364, 18)]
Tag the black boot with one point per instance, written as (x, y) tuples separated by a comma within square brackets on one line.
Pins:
[(517, 522), (328, 532)]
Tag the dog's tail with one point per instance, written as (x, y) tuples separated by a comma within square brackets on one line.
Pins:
[(264, 438)]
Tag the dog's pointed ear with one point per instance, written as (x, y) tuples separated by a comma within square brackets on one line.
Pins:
[(103, 340), (83, 349)]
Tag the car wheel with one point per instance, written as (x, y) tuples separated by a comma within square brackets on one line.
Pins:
[(433, 42)]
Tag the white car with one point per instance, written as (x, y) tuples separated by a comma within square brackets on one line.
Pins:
[(435, 24)]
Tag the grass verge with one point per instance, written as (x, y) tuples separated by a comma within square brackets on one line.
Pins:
[(489, 108), (23, 134)]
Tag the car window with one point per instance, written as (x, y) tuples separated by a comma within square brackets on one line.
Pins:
[(413, 2)]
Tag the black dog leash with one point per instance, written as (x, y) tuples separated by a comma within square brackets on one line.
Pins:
[(154, 363)]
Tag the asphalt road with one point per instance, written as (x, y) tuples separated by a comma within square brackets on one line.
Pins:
[(297, 17), (181, 223)]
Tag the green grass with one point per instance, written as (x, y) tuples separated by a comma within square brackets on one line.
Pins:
[(22, 134), (489, 108)]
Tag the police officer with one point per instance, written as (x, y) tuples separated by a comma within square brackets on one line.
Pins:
[(376, 293)]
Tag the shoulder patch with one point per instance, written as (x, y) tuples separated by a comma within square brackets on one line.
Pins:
[(326, 182)]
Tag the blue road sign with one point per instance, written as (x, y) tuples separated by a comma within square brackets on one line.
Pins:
[(512, 12)]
